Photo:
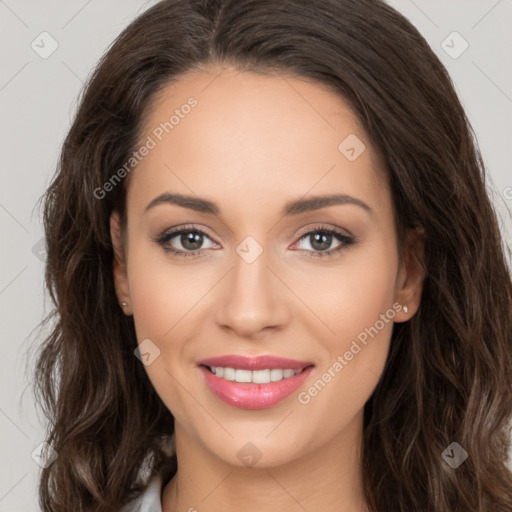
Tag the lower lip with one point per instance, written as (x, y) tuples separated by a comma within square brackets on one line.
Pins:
[(247, 395)]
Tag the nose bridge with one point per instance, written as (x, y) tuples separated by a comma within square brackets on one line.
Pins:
[(252, 299), (250, 267)]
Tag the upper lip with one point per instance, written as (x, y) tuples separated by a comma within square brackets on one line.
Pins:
[(255, 363)]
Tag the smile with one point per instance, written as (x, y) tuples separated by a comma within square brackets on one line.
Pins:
[(253, 382)]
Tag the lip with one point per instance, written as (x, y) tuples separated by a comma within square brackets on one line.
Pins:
[(247, 395), (255, 363)]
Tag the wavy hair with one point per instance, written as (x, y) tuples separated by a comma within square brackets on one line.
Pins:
[(448, 373)]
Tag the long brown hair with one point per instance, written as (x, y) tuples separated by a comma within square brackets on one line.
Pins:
[(448, 375)]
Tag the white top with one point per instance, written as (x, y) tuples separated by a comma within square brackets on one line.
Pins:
[(150, 500)]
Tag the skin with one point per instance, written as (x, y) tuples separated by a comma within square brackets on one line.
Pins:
[(253, 143)]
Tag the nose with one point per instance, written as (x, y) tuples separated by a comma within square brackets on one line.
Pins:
[(253, 298)]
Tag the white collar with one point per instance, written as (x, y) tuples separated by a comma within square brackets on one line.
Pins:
[(150, 500)]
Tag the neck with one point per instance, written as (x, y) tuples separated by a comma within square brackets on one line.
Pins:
[(327, 479)]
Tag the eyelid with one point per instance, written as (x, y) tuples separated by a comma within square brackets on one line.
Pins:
[(324, 227), (184, 227)]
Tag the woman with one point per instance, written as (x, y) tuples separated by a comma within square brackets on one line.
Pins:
[(279, 281)]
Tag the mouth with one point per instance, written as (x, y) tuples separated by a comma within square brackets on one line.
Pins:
[(254, 382)]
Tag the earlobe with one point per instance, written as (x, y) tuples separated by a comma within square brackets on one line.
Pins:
[(119, 270), (409, 284)]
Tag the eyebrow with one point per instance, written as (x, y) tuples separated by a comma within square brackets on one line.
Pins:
[(291, 208)]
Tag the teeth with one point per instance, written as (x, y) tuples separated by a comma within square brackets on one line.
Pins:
[(229, 373), (261, 376), (256, 377), (243, 376)]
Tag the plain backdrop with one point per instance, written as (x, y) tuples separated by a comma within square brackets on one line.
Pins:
[(38, 97)]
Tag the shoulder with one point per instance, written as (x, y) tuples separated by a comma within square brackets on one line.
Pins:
[(150, 500)]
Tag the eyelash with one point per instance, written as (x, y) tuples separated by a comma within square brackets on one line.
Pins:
[(346, 240)]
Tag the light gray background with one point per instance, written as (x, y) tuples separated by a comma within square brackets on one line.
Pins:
[(38, 98)]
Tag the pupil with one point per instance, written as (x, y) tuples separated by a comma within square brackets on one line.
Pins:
[(193, 238), (321, 241)]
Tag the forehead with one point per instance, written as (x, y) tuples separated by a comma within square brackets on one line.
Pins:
[(235, 134)]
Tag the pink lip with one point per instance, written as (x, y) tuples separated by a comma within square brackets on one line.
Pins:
[(247, 395)]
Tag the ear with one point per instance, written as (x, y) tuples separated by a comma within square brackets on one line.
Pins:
[(119, 264), (409, 282)]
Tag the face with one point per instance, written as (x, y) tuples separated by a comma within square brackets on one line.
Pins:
[(251, 269)]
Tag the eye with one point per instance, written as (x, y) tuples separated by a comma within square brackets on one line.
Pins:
[(321, 238), (190, 239)]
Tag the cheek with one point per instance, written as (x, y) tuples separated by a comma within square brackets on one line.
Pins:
[(160, 298), (357, 308), (166, 298), (163, 293), (348, 297), (366, 324)]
